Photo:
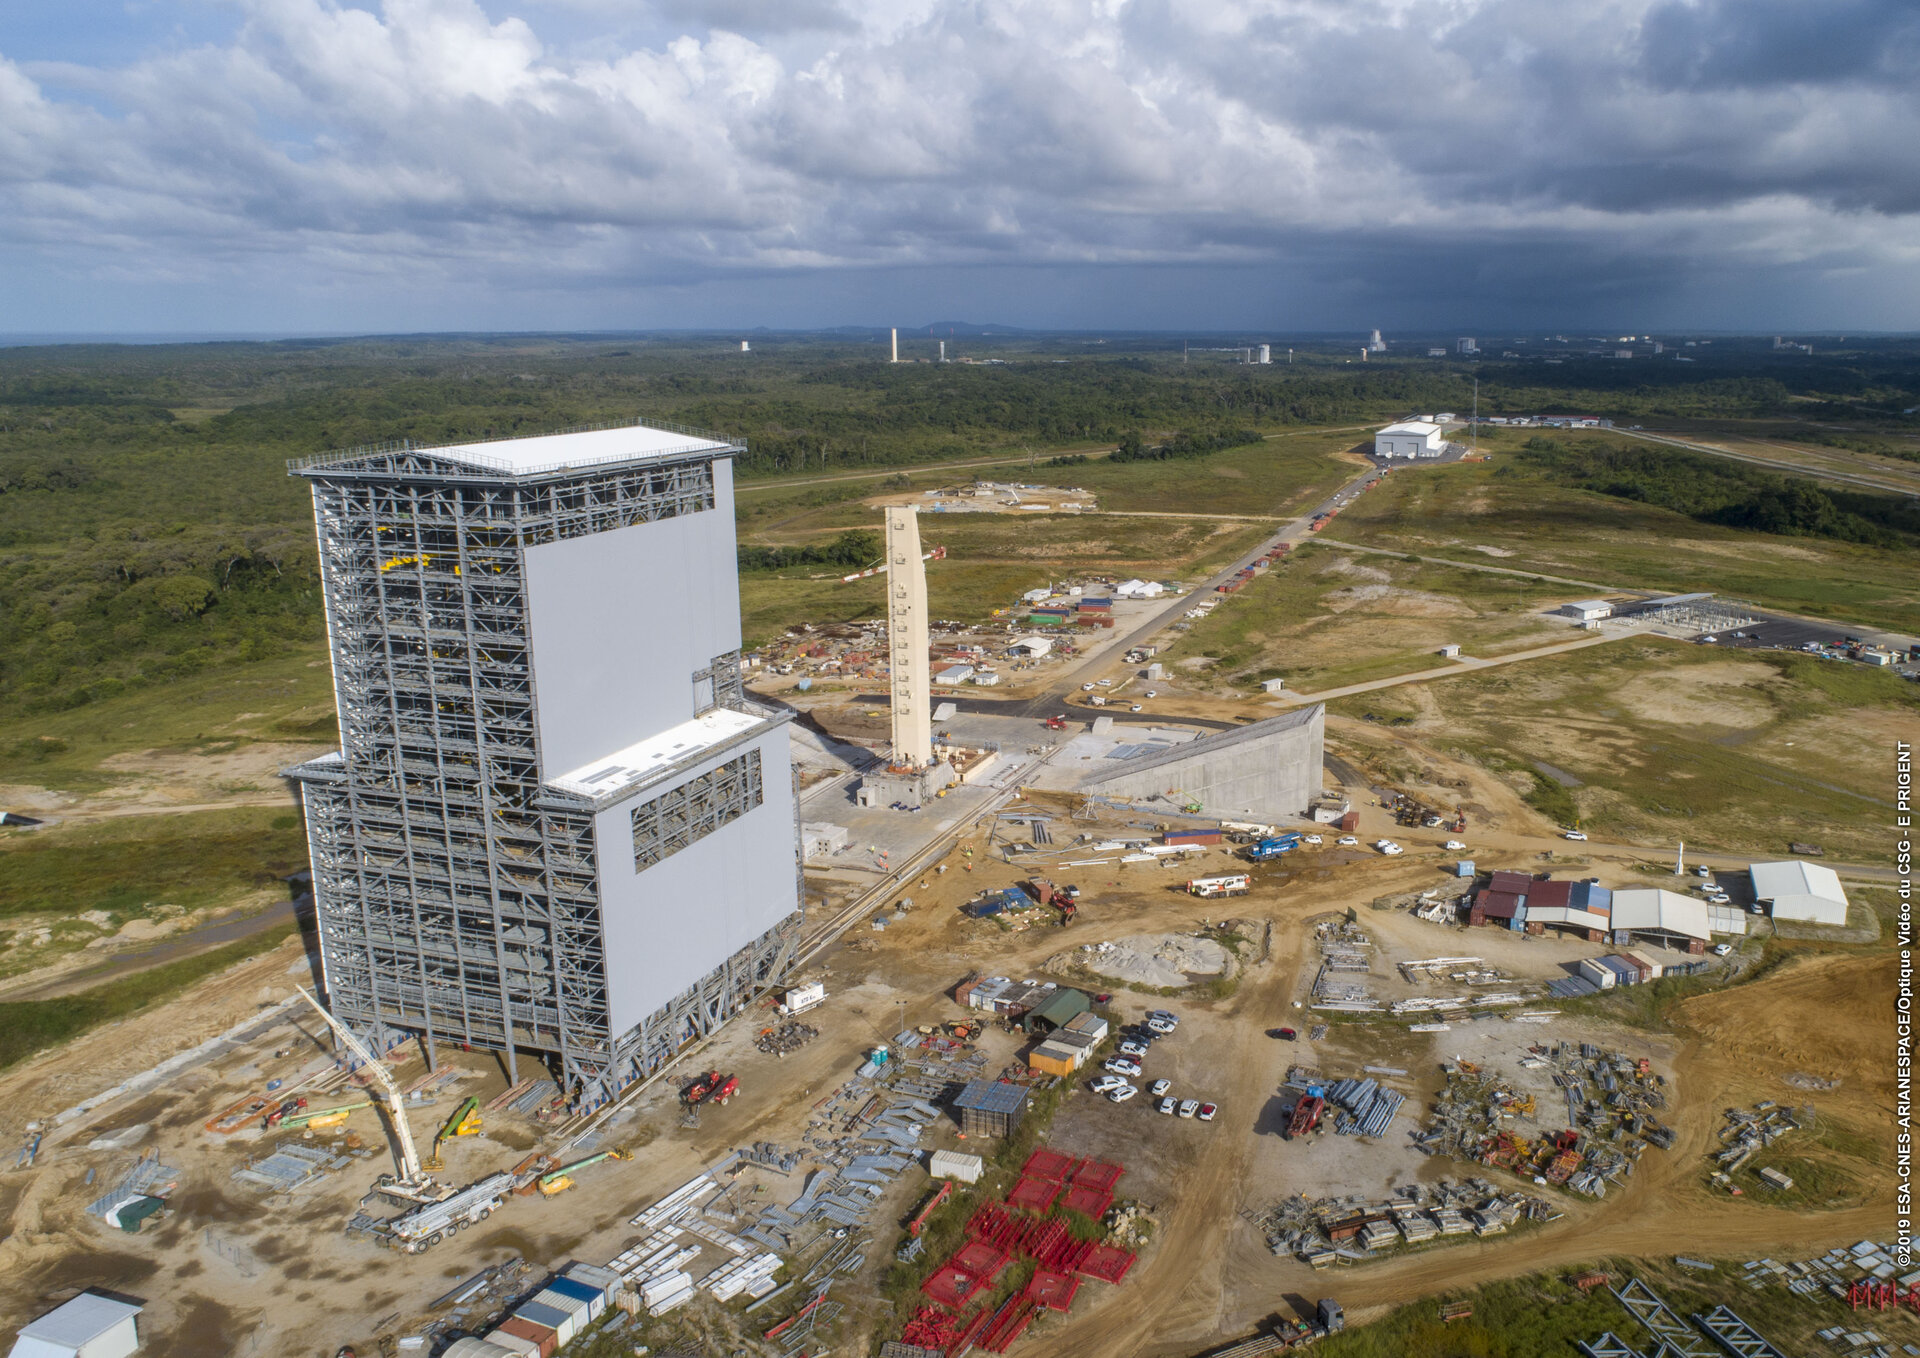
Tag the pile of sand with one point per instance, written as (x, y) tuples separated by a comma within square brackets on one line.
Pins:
[(1160, 960)]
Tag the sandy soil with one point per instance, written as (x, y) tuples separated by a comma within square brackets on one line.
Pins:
[(1702, 695)]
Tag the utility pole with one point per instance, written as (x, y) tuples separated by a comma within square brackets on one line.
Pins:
[(1476, 413)]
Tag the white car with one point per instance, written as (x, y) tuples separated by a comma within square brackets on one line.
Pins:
[(1575, 834), (1086, 688), (1104, 683), (1164, 1015), (1719, 898), (1153, 693), (1133, 1049), (1388, 847), (1207, 1111), (1161, 1026), (1169, 1106), (1722, 949), (1189, 1108), (1123, 1093), (1160, 1088), (1703, 871), (1120, 1065), (1106, 1084), (1310, 839), (1456, 844), (1346, 841), (1135, 708)]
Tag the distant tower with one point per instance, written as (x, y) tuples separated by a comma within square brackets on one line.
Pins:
[(1466, 345), (896, 344), (1376, 344), (1266, 353), (943, 351), (745, 347), (1363, 353), (907, 639)]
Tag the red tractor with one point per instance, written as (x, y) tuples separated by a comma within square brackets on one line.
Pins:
[(1056, 723), (701, 1088)]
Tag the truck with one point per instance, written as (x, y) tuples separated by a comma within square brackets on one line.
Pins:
[(1272, 848), (1233, 884), (425, 1226)]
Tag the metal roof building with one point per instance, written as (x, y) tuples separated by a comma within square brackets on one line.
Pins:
[(990, 1107), (555, 823), (89, 1326), (1802, 892), (1661, 916)]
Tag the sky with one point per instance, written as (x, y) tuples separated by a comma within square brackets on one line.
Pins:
[(307, 166)]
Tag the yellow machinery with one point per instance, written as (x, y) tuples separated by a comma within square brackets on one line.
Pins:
[(561, 1179), (464, 1122)]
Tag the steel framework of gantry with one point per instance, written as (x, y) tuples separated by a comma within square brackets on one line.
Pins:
[(457, 895)]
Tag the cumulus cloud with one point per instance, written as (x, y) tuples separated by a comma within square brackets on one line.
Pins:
[(438, 143)]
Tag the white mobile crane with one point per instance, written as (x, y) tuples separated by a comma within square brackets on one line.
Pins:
[(414, 1183)]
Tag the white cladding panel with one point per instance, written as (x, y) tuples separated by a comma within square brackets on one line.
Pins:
[(619, 623), (685, 915)]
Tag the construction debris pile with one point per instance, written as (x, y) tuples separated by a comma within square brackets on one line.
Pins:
[(1610, 1100), (1328, 1231), (788, 1037), (1367, 1106), (1344, 955), (1749, 1131)]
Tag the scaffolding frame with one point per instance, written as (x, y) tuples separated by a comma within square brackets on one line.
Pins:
[(456, 896), (1735, 1335)]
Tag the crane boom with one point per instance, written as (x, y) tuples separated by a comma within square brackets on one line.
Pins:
[(411, 1173)]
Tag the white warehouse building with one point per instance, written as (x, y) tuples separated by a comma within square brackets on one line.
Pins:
[(1410, 438), (1804, 893)]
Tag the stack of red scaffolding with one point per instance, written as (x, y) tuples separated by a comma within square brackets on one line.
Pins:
[(1024, 1226)]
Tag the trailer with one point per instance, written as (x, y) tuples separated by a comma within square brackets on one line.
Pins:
[(801, 998)]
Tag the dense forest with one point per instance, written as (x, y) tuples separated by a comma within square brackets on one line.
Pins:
[(148, 527)]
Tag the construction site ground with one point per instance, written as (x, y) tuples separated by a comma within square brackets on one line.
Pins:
[(232, 1271)]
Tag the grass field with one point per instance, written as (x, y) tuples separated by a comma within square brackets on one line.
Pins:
[(1324, 618), (1544, 1314), (28, 1026), (1497, 511), (1671, 741)]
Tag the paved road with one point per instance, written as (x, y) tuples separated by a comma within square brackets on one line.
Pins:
[(1894, 487), (1465, 664)]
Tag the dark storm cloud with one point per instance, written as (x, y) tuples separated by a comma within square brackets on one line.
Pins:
[(1483, 152)]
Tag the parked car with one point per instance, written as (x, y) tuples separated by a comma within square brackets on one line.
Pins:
[(1207, 1112), (1123, 1093), (1455, 845), (1169, 1106), (1134, 1049), (1722, 949), (1135, 708), (1106, 1084), (1310, 839), (1284, 1034), (1086, 688), (1347, 842), (1389, 848), (1104, 683), (1703, 871), (1160, 1088), (1164, 1015), (1119, 1065), (1575, 834), (1153, 693), (1160, 1026), (1189, 1108)]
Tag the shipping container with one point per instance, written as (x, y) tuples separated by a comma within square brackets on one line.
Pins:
[(561, 1322), (469, 1347), (1593, 969), (606, 1279), (593, 1298), (541, 1337), (1191, 837), (956, 1165)]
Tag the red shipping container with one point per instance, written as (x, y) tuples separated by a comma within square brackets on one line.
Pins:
[(546, 1338)]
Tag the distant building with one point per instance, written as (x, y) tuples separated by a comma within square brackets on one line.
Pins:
[(990, 1108), (1659, 916), (1410, 438), (89, 1326), (1466, 344), (1587, 610), (1437, 352)]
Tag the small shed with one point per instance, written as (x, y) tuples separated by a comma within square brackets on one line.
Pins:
[(990, 1108), (956, 1165), (1451, 651), (89, 1326), (1273, 685), (1061, 1008), (1088, 1024), (1587, 610), (1056, 1058)]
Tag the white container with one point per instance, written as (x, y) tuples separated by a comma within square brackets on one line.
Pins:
[(955, 1165)]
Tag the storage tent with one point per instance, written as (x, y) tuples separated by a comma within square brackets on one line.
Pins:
[(89, 1326), (1797, 891)]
